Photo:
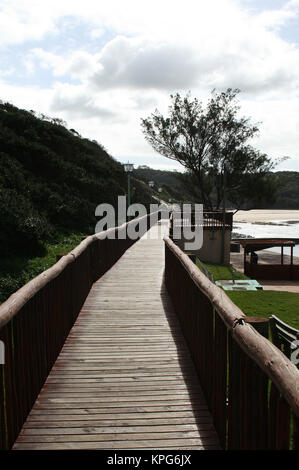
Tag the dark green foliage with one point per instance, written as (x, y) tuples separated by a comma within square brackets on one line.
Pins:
[(168, 181), (287, 190), (17, 270), (281, 189), (51, 181)]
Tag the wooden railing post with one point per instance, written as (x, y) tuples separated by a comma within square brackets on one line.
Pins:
[(35, 322), (243, 415), (219, 407)]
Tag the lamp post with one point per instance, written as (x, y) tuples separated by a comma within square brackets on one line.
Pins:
[(128, 167), (160, 191), (225, 167), (151, 185)]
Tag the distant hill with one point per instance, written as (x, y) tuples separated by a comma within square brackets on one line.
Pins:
[(168, 181), (51, 180), (173, 188), (288, 191)]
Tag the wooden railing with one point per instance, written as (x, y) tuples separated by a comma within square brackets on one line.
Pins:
[(211, 219), (36, 320), (251, 388), (279, 272)]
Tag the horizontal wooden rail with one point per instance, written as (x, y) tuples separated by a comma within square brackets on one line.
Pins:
[(36, 320), (278, 272), (210, 219), (235, 363)]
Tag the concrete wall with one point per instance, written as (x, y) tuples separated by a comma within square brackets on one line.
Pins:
[(211, 250)]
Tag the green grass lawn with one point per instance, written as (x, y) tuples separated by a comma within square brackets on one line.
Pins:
[(15, 271), (221, 272), (264, 303), (260, 303)]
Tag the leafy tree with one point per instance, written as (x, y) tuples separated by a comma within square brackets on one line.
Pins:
[(212, 144)]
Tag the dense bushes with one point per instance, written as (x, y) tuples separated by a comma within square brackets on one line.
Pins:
[(51, 181)]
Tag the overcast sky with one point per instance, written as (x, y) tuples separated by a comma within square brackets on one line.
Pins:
[(102, 65)]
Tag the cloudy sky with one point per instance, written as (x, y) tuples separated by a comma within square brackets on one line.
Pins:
[(102, 65)]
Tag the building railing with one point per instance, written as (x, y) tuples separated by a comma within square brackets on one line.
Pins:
[(210, 219), (36, 320), (279, 272), (252, 389)]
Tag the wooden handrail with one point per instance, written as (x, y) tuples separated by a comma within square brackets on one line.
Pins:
[(266, 355), (228, 310), (35, 321), (18, 299)]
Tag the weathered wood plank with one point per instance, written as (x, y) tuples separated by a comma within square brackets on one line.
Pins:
[(66, 409), (124, 378), (118, 445), (78, 391), (118, 415), (112, 437), (108, 424), (207, 430)]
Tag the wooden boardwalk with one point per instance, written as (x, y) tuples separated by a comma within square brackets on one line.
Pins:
[(124, 378)]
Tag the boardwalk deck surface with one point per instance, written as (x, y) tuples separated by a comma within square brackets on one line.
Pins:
[(124, 378)]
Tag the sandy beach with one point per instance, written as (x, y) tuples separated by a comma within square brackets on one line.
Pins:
[(261, 215), (264, 217)]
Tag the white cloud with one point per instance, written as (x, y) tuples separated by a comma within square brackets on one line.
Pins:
[(154, 48), (76, 102), (78, 64), (97, 32), (274, 19), (140, 63), (23, 20), (26, 97)]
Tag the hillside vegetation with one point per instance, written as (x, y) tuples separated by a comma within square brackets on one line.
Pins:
[(51, 181), (175, 186), (168, 181), (288, 191)]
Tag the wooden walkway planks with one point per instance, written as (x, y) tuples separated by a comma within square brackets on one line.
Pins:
[(124, 378)]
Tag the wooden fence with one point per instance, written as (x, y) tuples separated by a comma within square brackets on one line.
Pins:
[(279, 272), (251, 388), (210, 219), (36, 320)]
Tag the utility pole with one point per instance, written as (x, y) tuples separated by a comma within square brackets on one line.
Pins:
[(128, 167), (223, 215), (151, 185)]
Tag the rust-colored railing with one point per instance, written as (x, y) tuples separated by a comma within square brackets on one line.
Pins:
[(210, 219), (278, 272), (36, 320), (251, 388)]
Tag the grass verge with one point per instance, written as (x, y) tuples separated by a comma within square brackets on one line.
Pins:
[(221, 272), (264, 303), (15, 271), (260, 303)]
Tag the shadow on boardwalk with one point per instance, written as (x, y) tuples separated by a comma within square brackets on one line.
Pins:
[(124, 378)]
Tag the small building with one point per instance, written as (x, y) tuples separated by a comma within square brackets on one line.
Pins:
[(269, 271), (216, 229)]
